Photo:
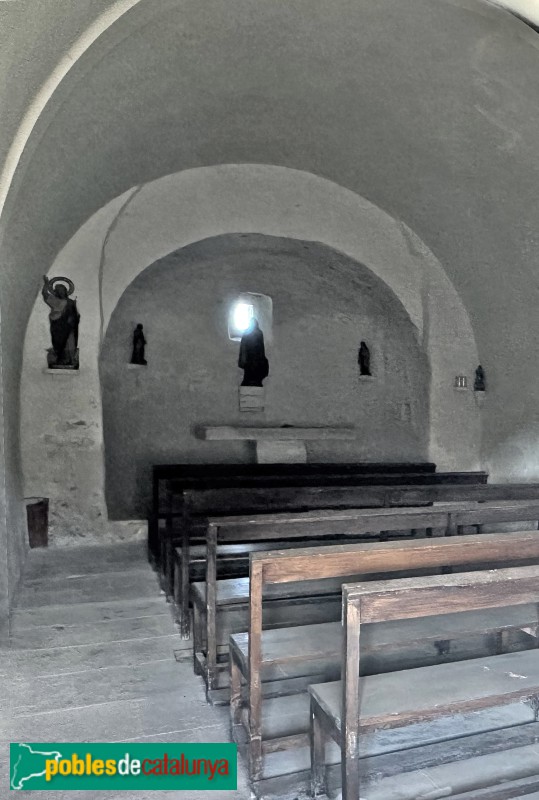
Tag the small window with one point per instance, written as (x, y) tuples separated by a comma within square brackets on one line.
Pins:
[(242, 315), (244, 309)]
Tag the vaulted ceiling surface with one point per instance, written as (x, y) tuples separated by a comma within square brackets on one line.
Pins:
[(428, 108)]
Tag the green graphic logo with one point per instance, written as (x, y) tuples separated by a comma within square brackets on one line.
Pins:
[(116, 766)]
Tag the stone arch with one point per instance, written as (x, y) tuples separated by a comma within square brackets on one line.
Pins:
[(324, 304), (151, 221)]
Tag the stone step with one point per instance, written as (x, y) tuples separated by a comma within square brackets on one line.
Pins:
[(83, 658), (89, 613), (118, 630), (50, 577), (181, 714), (89, 589), (60, 562), (82, 554), (45, 694)]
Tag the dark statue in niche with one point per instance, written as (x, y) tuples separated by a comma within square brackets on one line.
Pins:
[(252, 359), (139, 343), (479, 383), (64, 323), (364, 359)]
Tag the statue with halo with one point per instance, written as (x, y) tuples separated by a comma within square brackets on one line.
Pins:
[(64, 323)]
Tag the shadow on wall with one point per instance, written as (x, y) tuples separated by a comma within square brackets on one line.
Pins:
[(324, 305)]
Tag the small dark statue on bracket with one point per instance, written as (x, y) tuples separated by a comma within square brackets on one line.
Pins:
[(364, 359), (252, 359), (139, 343), (64, 323), (479, 383)]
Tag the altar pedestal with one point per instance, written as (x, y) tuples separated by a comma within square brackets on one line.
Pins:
[(276, 445)]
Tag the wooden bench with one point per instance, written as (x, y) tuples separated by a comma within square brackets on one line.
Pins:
[(253, 654), (170, 480), (192, 506), (233, 558), (343, 710), (198, 506), (269, 531), (208, 600), (230, 597)]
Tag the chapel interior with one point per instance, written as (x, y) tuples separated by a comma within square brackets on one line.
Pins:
[(269, 419)]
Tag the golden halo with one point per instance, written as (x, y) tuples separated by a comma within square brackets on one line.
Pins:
[(70, 285)]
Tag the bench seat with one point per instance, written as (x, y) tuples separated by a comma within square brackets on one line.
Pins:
[(308, 643), (241, 551), (396, 699), (235, 591)]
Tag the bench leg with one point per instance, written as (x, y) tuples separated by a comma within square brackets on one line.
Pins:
[(184, 582), (164, 536), (235, 696), (255, 758), (198, 638), (318, 756), (177, 588), (169, 567), (211, 610)]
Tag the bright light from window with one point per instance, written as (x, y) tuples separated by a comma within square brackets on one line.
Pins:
[(243, 314)]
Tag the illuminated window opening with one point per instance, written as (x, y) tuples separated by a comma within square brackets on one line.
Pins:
[(247, 307)]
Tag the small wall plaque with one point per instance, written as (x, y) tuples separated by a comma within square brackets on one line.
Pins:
[(252, 398)]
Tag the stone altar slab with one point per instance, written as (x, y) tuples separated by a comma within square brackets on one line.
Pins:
[(276, 445)]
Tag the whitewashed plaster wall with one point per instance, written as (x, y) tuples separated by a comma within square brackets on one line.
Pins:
[(4, 543), (324, 304), (61, 425)]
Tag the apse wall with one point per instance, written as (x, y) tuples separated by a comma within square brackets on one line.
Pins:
[(61, 412), (324, 304)]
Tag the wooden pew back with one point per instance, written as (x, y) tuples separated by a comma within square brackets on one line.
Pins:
[(214, 502), (410, 598), (345, 560)]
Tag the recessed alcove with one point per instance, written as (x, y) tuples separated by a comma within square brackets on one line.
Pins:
[(323, 302)]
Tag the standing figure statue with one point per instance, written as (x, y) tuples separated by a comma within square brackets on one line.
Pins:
[(139, 343), (64, 323), (364, 359), (479, 383), (252, 359)]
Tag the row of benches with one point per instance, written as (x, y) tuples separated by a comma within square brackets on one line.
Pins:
[(220, 605), (314, 649), (170, 482), (300, 643), (349, 709), (189, 530)]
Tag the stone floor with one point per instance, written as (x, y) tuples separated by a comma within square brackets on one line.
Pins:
[(94, 655), (92, 659)]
